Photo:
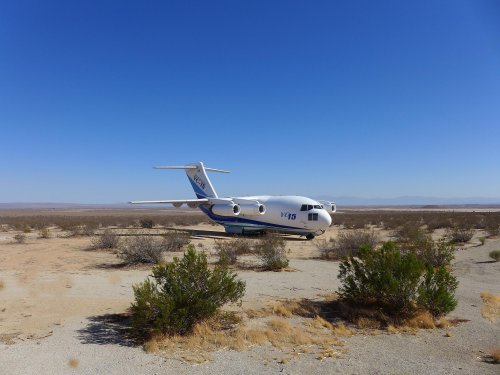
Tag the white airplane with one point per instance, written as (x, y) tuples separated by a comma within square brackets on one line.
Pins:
[(283, 214)]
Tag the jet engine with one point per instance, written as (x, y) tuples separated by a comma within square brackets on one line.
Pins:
[(330, 207), (252, 209), (230, 209)]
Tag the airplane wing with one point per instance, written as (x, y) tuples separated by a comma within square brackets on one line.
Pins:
[(193, 203), (177, 202)]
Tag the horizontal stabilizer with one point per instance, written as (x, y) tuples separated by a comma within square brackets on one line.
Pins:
[(191, 167)]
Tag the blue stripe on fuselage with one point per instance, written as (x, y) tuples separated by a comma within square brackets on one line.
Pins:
[(238, 220)]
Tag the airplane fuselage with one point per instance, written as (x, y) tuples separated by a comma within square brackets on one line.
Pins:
[(287, 214)]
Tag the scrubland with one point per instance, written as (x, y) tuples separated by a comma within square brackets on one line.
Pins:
[(67, 277)]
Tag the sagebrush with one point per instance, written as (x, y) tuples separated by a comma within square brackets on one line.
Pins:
[(346, 244), (271, 249), (228, 251), (107, 240), (142, 250)]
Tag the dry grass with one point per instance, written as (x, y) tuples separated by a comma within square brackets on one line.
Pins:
[(491, 306), (423, 320), (341, 330), (495, 355), (73, 363), (297, 335), (367, 323), (287, 309), (391, 329), (2, 285)]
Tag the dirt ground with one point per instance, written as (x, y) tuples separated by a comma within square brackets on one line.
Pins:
[(56, 295)]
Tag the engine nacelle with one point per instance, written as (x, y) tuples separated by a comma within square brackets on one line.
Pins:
[(330, 207), (252, 209), (230, 209)]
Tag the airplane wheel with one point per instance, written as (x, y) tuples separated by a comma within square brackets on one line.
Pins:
[(310, 236)]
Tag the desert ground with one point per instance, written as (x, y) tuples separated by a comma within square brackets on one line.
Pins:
[(60, 299)]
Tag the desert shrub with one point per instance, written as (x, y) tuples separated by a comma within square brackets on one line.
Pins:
[(493, 229), (141, 249), (44, 233), (88, 229), (228, 251), (146, 223), (107, 240), (495, 255), (398, 282), (27, 229), (411, 233), (436, 292), (271, 250), (182, 293), (346, 244), (385, 276), (459, 234), (20, 238), (175, 241), (482, 240), (435, 253)]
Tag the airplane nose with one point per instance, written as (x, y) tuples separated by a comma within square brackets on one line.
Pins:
[(326, 219)]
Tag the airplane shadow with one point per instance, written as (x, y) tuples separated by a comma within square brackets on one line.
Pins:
[(203, 233), (107, 329)]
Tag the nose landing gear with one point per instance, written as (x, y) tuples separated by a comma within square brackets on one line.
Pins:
[(310, 236)]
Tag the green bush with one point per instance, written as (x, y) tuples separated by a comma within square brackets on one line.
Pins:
[(182, 293), (436, 292), (387, 277), (439, 253), (271, 249), (398, 282), (495, 255), (436, 253), (418, 241)]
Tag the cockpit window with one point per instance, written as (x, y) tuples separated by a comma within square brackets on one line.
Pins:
[(307, 207)]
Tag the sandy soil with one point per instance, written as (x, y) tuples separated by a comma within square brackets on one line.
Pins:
[(56, 297)]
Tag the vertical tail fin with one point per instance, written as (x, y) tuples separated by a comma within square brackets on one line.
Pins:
[(197, 175)]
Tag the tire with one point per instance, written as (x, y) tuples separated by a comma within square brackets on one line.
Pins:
[(310, 236)]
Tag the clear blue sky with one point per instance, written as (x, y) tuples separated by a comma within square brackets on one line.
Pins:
[(357, 98)]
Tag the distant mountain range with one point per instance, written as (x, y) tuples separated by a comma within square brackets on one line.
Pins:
[(340, 201), (411, 201)]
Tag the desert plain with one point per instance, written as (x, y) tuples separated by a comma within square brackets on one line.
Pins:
[(62, 305)]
